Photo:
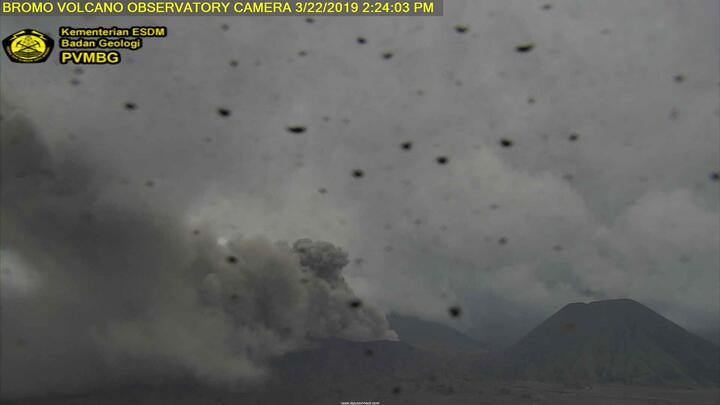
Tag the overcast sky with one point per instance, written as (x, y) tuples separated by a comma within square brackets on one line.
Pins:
[(626, 207)]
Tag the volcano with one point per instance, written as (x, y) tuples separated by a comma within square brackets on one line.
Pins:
[(613, 341)]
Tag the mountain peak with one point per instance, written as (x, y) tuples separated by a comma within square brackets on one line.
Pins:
[(615, 302), (619, 340)]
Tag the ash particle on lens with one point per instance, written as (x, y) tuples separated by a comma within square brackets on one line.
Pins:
[(296, 129), (525, 48), (461, 29)]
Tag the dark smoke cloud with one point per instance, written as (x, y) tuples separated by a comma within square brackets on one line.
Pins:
[(97, 291)]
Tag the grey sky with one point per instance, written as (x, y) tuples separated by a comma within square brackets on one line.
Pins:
[(511, 234)]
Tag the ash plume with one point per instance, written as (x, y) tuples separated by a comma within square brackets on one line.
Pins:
[(99, 290)]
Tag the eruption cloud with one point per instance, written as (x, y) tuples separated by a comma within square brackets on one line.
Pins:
[(96, 291)]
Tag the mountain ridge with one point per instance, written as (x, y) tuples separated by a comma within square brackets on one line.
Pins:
[(612, 341)]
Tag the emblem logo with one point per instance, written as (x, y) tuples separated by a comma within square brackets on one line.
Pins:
[(28, 46)]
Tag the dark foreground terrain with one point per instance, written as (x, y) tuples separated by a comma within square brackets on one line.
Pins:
[(625, 341), (425, 392)]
